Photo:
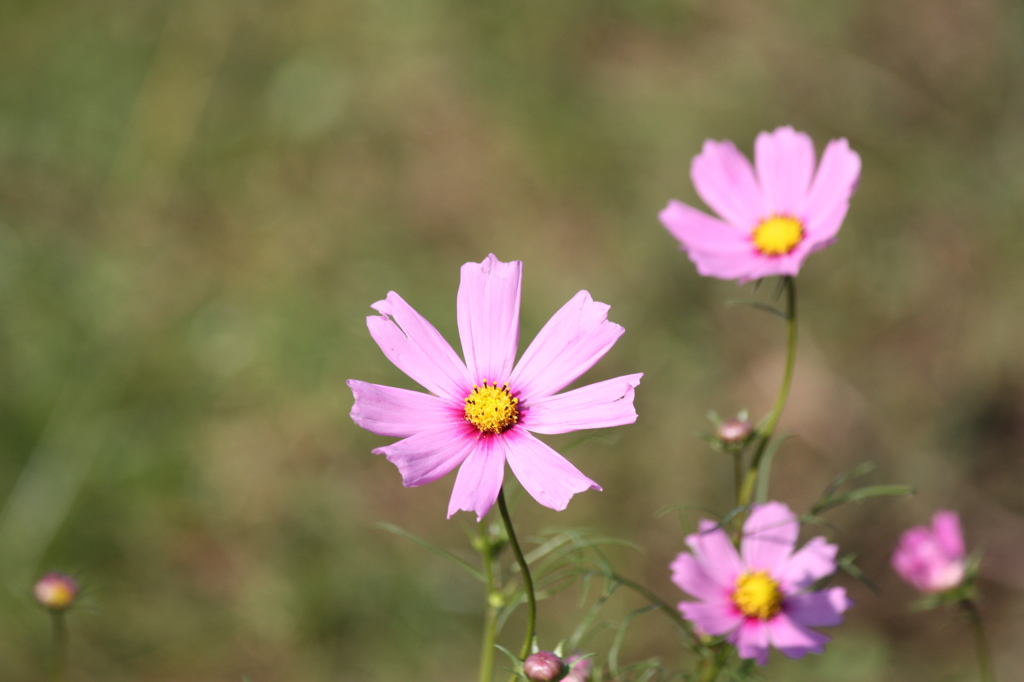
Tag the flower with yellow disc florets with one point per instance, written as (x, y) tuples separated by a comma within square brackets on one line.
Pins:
[(481, 413), (773, 214), (760, 595)]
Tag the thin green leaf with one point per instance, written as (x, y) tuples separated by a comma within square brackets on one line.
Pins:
[(855, 472), (585, 623), (682, 507), (757, 305), (620, 636), (846, 565), (462, 563), (862, 494)]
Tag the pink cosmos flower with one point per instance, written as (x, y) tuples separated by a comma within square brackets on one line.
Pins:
[(932, 559), (759, 596), (773, 217), (480, 413)]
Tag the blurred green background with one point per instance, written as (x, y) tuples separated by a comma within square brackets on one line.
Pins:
[(199, 201)]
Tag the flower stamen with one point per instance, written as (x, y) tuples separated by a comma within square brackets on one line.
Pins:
[(492, 409), (757, 595), (778, 235)]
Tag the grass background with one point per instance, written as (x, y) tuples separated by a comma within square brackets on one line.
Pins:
[(200, 199)]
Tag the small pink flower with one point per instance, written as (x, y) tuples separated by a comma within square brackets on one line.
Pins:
[(932, 559), (759, 596), (771, 220), (480, 413), (56, 591)]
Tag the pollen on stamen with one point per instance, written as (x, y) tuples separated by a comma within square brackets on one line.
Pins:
[(757, 595), (492, 409), (778, 235)]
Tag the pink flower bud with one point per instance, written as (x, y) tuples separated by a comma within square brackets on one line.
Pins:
[(56, 591), (579, 668), (734, 431), (544, 666), (932, 559)]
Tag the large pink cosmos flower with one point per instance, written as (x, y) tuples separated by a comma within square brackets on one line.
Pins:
[(760, 595), (932, 559), (479, 413), (771, 219)]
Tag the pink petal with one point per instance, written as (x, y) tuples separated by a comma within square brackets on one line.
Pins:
[(428, 455), (814, 561), (398, 412), (572, 341), (785, 164), (546, 475), (751, 640), (833, 185), (697, 231), (818, 609), (725, 181), (768, 266), (689, 575), (416, 348), (948, 535), (822, 230), (479, 479), (600, 405), (488, 311), (922, 562), (741, 266), (792, 639), (769, 535), (712, 618), (716, 553), (916, 558)]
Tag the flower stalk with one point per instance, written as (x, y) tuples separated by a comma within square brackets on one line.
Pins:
[(59, 653), (487, 548), (767, 427), (980, 641), (524, 568)]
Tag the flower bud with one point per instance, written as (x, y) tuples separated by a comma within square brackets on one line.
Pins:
[(56, 591), (932, 559), (734, 431), (544, 666)]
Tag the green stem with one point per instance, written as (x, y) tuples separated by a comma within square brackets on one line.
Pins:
[(980, 642), (712, 665), (494, 601), (767, 427), (738, 472), (524, 568), (58, 663)]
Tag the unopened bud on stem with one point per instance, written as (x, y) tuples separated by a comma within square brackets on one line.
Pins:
[(734, 431), (56, 591), (544, 666)]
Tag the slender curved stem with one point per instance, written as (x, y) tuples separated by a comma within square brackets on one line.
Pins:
[(712, 665), (486, 549), (738, 473), (767, 426), (524, 568), (58, 664), (665, 607), (980, 642)]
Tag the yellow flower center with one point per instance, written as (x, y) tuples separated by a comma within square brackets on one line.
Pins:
[(757, 595), (778, 235), (492, 409)]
